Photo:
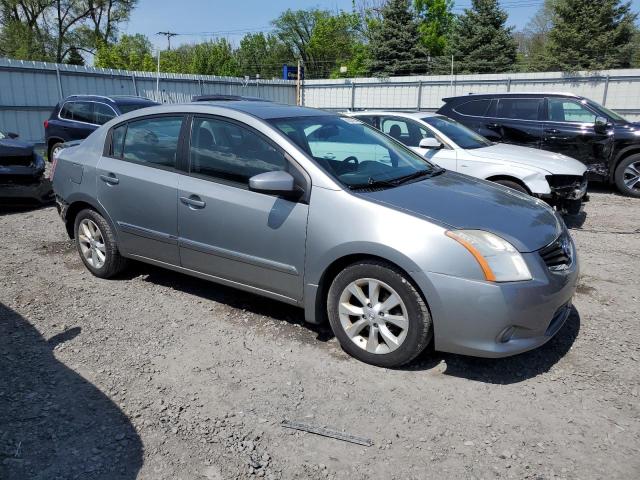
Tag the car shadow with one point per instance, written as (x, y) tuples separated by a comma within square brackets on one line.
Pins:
[(507, 370), (53, 422), (22, 207), (232, 297), (575, 221)]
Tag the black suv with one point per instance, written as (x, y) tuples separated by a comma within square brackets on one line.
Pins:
[(578, 127), (78, 116)]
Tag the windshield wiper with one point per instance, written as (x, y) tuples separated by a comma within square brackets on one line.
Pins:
[(418, 174)]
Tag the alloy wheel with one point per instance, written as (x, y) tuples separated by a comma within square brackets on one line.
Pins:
[(631, 176), (92, 243), (373, 316)]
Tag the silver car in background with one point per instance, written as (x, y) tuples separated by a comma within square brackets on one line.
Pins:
[(394, 251)]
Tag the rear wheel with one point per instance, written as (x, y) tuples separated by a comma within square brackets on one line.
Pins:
[(512, 184), (54, 151), (627, 176), (96, 245), (377, 314)]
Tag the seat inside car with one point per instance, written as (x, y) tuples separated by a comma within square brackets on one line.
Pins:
[(395, 132)]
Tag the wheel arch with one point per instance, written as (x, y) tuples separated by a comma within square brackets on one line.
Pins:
[(76, 205), (51, 141), (495, 178)]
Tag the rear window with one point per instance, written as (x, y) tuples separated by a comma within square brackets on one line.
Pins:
[(519, 108), (476, 108)]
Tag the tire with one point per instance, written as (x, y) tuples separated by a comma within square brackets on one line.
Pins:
[(105, 262), (626, 173), (512, 184), (51, 150), (369, 329)]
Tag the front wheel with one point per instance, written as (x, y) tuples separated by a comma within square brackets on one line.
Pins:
[(96, 245), (512, 184), (627, 176), (377, 314)]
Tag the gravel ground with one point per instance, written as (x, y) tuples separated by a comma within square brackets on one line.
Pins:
[(161, 376)]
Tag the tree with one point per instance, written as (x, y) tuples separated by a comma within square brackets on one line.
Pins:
[(436, 20), (260, 54), (320, 39), (395, 45), (590, 35), (533, 39), (132, 52), (75, 58), (480, 42)]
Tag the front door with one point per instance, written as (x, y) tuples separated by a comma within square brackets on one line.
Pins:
[(570, 129), (138, 186), (229, 231)]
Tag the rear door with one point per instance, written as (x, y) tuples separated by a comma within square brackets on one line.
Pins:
[(229, 231), (138, 185), (410, 132), (570, 129), (517, 121), (76, 120)]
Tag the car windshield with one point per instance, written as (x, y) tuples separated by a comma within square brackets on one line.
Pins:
[(607, 113), (130, 107), (354, 153), (458, 133)]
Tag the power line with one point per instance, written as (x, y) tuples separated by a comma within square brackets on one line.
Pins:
[(168, 35)]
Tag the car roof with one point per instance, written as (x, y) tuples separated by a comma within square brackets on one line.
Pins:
[(266, 110), (117, 99), (413, 114), (512, 94)]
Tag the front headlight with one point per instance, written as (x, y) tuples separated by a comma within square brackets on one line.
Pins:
[(498, 259)]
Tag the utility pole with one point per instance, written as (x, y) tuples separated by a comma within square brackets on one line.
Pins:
[(298, 97), (168, 35)]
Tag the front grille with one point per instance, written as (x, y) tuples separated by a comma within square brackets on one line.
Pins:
[(558, 254), (17, 161), (19, 179), (565, 181)]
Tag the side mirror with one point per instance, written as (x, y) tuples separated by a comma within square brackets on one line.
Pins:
[(12, 135), (431, 143), (601, 124), (277, 182)]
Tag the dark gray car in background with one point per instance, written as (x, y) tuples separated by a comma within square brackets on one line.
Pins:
[(392, 249)]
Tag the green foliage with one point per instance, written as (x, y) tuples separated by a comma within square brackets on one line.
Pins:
[(263, 55), (589, 35), (480, 41), (436, 19), (74, 57), (132, 52), (396, 48)]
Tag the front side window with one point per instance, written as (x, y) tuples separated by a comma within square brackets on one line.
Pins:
[(225, 150), (151, 141), (458, 133), (102, 113), (405, 131), (519, 108), (564, 110), (368, 158)]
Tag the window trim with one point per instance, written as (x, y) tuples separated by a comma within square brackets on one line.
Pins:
[(490, 100), (80, 121), (299, 173), (107, 151)]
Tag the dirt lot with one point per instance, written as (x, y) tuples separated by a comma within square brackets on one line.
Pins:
[(160, 376)]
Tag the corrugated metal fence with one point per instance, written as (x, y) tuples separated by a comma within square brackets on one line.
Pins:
[(30, 90), (616, 89)]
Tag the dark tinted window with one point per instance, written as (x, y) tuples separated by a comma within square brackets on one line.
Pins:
[(130, 107), (476, 108), (102, 113), (228, 151), (117, 141), (78, 111), (519, 108), (152, 141)]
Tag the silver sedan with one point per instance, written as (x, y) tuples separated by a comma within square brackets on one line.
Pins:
[(392, 250)]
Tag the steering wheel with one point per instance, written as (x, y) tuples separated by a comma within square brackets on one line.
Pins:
[(352, 160)]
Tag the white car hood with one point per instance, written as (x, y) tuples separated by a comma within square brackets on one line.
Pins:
[(554, 163)]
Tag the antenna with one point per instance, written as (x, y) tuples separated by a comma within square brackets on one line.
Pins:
[(168, 35)]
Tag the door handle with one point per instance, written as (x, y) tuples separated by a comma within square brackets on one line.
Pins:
[(111, 179), (193, 201), (553, 131), (494, 125)]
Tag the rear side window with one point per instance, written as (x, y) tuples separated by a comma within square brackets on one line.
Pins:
[(228, 151), (102, 113), (474, 108), (519, 108), (152, 141), (78, 112)]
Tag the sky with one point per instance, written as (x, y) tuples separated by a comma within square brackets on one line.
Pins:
[(198, 20)]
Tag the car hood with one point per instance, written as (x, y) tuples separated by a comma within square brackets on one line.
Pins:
[(554, 163), (459, 201), (15, 148)]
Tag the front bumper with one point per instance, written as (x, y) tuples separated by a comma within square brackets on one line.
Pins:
[(494, 320), (36, 191)]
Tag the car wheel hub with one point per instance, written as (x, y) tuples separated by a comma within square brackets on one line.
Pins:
[(373, 316), (91, 243), (632, 176)]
